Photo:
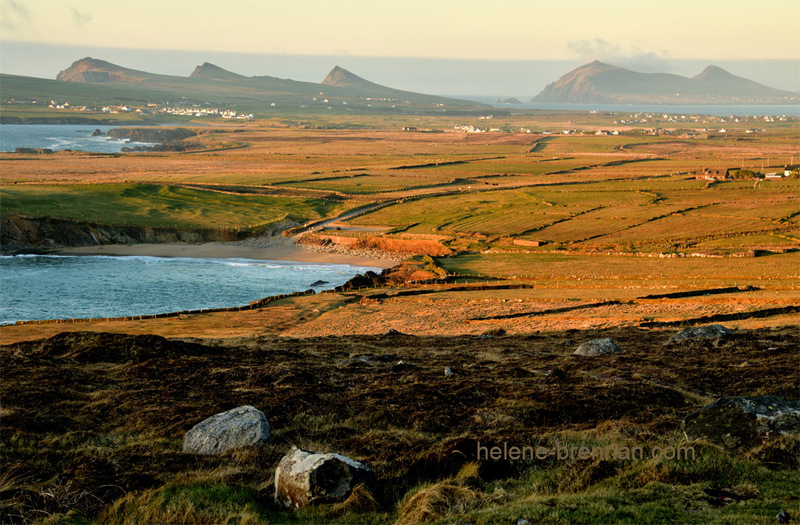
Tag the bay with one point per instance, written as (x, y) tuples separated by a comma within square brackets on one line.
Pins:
[(59, 287), (59, 137)]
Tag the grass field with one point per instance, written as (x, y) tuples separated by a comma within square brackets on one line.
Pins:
[(155, 205)]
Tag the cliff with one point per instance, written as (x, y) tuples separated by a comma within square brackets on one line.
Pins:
[(20, 234)]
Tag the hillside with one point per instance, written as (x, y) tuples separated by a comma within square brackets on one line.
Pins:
[(210, 71), (91, 70), (602, 83), (343, 78), (94, 83)]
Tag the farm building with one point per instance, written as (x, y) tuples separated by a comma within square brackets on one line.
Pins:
[(714, 173)]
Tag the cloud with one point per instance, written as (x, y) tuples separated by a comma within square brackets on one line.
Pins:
[(15, 15), (80, 18), (631, 58)]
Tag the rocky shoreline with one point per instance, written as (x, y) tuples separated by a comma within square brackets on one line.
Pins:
[(341, 249)]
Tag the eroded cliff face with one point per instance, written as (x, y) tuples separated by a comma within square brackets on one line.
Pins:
[(158, 135), (21, 234)]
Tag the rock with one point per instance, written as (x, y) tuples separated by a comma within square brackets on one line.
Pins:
[(448, 371), (597, 347), (244, 426), (743, 422), (38, 151), (367, 358), (97, 133), (318, 283), (712, 331), (393, 332), (783, 517), (556, 374), (307, 478), (368, 280)]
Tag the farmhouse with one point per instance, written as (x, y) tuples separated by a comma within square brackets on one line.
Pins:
[(713, 173)]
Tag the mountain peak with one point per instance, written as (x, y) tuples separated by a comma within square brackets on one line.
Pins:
[(210, 71), (595, 63), (343, 78), (713, 72), (599, 83), (95, 70)]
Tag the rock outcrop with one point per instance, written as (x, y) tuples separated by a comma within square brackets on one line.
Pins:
[(712, 331), (743, 422), (307, 478), (244, 426), (152, 135), (598, 347)]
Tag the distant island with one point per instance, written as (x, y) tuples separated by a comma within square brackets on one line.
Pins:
[(600, 83)]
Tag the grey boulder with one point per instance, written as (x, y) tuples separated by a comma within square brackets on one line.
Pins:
[(597, 347), (307, 478), (244, 426), (711, 331), (743, 422)]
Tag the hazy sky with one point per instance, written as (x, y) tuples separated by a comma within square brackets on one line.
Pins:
[(466, 29), (446, 47)]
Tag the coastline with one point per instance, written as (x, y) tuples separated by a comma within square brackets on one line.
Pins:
[(258, 249)]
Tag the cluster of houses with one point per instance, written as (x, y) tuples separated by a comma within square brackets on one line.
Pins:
[(642, 118), (152, 108), (189, 111), (229, 113), (468, 128), (422, 130), (715, 174)]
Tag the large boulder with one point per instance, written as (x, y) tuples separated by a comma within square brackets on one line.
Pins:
[(244, 426), (743, 422), (712, 331), (307, 478), (598, 347)]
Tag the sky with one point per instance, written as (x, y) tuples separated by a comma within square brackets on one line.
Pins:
[(651, 35)]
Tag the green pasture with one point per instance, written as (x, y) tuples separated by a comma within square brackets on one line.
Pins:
[(161, 206), (500, 212)]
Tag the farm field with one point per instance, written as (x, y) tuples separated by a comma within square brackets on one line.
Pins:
[(515, 248), (580, 195)]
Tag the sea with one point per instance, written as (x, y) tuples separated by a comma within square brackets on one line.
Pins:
[(721, 110), (59, 137), (61, 287)]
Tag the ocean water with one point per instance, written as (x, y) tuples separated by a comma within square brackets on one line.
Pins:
[(60, 137), (61, 287), (721, 110)]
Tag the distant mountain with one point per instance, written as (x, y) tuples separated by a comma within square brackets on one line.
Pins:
[(343, 78), (211, 85), (599, 83), (210, 71), (93, 70)]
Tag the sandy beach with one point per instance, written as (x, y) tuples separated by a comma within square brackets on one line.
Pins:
[(273, 250)]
